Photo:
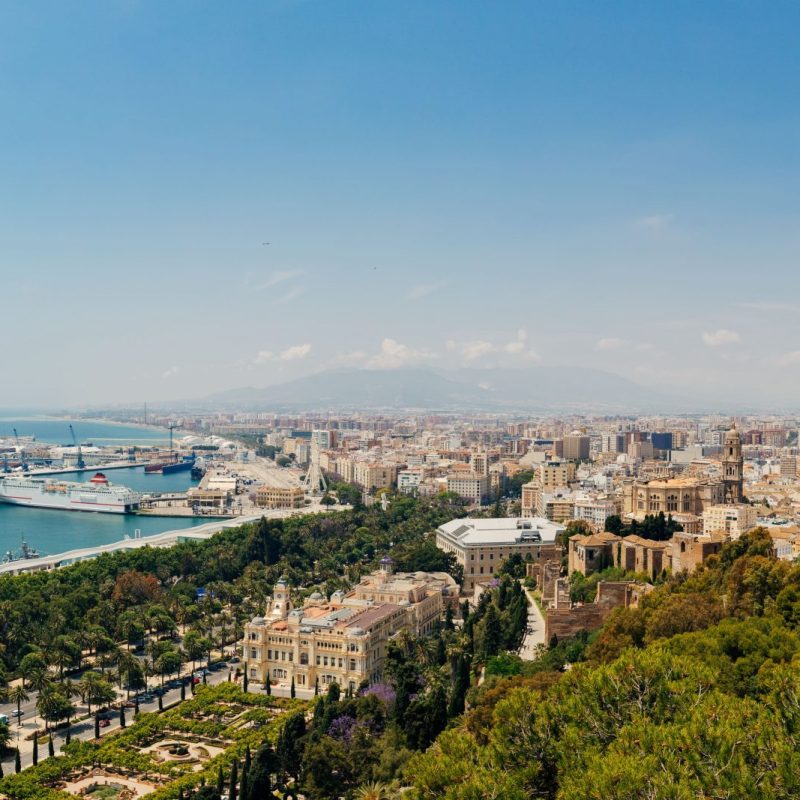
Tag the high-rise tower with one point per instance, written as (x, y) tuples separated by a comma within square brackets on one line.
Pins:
[(733, 466)]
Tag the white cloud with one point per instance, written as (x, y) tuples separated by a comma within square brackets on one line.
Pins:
[(609, 343), (393, 355), (168, 373), (263, 356), (654, 222), (295, 352), (721, 337), (424, 289), (280, 276), (790, 359), (473, 350)]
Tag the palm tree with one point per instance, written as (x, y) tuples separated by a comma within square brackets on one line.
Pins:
[(374, 791), (18, 695)]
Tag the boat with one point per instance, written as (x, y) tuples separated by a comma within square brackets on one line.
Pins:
[(168, 467), (68, 496), (25, 552)]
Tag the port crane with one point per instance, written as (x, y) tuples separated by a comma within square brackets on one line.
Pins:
[(80, 462), (21, 451)]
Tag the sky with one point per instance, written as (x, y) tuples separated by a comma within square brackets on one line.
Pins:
[(440, 184)]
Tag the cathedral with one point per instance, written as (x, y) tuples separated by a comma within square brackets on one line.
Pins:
[(733, 467), (689, 495)]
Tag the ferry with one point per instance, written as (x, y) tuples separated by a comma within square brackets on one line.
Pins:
[(98, 495)]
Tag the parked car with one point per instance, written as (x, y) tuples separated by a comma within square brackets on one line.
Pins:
[(104, 723), (234, 660), (195, 680)]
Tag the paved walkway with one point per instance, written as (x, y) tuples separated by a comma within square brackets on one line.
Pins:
[(535, 635)]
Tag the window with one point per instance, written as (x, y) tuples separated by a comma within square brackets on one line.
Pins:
[(352, 664), (304, 658), (253, 653)]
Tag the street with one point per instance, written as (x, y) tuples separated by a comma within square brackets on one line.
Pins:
[(535, 635)]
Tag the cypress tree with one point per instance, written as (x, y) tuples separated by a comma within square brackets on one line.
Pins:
[(247, 758), (51, 750), (244, 789), (269, 685), (316, 687), (233, 781), (96, 727), (246, 682), (160, 702), (2, 774), (204, 679), (123, 723), (183, 692), (69, 733), (220, 781), (292, 692), (35, 750), (17, 761)]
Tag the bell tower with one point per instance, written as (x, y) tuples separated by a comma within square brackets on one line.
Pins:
[(733, 466)]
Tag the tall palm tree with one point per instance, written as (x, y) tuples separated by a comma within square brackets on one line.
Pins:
[(18, 695)]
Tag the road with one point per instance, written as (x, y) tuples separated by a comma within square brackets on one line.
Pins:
[(535, 635), (85, 728)]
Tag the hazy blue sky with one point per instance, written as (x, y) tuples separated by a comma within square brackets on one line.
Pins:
[(442, 183)]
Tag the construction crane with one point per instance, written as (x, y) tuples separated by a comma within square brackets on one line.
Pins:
[(20, 452), (80, 462), (171, 447)]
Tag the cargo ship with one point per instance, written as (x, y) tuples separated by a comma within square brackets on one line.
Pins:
[(98, 495), (168, 467)]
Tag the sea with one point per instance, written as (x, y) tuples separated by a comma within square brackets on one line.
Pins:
[(50, 531)]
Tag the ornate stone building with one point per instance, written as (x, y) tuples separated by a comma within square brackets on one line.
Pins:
[(733, 466), (672, 496)]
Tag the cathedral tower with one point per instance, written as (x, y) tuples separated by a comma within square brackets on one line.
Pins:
[(733, 466)]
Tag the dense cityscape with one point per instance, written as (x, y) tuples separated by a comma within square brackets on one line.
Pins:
[(399, 400)]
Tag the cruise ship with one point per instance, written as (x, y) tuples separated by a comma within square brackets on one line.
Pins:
[(98, 495)]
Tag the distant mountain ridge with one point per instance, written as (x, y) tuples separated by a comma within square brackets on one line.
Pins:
[(532, 389)]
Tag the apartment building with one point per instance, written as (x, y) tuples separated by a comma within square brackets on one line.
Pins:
[(733, 520), (470, 486)]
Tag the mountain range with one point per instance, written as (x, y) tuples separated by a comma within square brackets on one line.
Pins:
[(538, 388)]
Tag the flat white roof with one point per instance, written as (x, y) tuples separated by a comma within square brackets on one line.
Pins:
[(500, 531)]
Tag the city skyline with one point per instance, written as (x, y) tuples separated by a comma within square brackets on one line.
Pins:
[(464, 185)]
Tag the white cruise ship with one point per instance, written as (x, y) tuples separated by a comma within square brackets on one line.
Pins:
[(98, 495)]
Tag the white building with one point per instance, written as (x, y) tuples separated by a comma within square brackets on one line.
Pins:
[(482, 545)]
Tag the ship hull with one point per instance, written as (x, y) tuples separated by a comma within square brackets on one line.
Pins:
[(63, 496)]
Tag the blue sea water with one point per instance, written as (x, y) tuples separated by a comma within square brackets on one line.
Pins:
[(50, 531), (56, 431)]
